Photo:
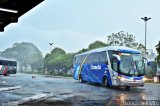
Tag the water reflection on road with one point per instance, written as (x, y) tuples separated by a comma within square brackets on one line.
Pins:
[(65, 86)]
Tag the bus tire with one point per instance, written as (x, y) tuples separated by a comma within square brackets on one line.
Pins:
[(81, 80), (128, 88), (106, 84)]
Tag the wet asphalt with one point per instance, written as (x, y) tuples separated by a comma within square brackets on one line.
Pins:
[(67, 92)]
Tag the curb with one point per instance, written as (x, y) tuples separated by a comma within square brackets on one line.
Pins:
[(28, 99), (10, 88)]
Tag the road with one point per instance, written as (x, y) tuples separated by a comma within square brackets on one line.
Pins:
[(69, 92)]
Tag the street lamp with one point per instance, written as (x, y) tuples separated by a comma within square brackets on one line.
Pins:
[(50, 46), (145, 20), (8, 10)]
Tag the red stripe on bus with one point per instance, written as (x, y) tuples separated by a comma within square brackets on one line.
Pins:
[(5, 70)]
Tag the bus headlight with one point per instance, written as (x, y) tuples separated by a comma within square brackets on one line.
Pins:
[(144, 79), (121, 78)]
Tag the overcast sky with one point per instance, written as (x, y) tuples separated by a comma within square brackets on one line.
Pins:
[(74, 24)]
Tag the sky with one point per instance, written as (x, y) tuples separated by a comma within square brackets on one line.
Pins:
[(74, 24)]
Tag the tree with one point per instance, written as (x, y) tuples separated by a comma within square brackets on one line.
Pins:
[(83, 50), (96, 44), (124, 39), (158, 51), (59, 61), (27, 54), (58, 51), (54, 53)]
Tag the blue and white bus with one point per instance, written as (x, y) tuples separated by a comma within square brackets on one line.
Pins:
[(111, 66)]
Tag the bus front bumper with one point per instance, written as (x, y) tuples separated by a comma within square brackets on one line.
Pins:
[(136, 83)]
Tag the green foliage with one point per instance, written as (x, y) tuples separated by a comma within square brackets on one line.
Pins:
[(121, 39), (158, 51), (55, 53), (61, 61), (58, 51), (96, 44), (83, 50), (124, 39), (117, 39), (58, 60), (26, 54)]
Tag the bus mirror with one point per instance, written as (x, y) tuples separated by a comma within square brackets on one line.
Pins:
[(145, 59), (116, 56)]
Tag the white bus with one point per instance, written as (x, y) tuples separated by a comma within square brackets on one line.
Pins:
[(111, 66)]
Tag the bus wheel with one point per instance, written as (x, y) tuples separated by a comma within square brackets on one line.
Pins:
[(127, 88), (81, 80), (106, 84)]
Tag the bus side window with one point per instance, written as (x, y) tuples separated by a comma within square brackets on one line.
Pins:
[(78, 60), (111, 52), (103, 57), (3, 62), (14, 64), (9, 63), (115, 65), (88, 59), (93, 58)]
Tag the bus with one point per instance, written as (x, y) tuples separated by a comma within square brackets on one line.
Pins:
[(8, 67), (152, 67), (111, 66), (158, 69)]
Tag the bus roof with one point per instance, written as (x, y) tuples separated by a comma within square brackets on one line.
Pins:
[(7, 60), (114, 48)]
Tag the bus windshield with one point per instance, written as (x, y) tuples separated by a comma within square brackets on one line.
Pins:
[(131, 64)]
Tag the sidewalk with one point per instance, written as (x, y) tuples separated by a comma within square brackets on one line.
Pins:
[(153, 84)]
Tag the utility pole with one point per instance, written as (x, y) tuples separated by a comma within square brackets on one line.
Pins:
[(145, 20)]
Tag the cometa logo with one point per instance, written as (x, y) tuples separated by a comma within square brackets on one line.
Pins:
[(98, 67)]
